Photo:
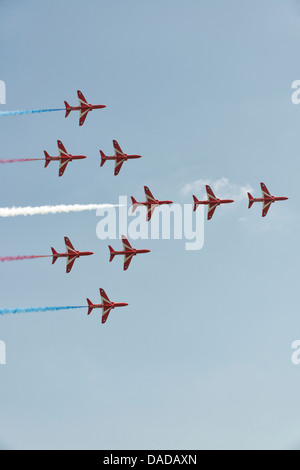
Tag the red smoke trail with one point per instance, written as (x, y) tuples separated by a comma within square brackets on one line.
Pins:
[(16, 160), (18, 258)]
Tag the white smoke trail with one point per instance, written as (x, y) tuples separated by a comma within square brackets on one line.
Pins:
[(59, 209)]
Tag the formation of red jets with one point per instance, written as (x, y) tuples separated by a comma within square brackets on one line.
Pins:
[(150, 203), (129, 252), (212, 201), (64, 158)]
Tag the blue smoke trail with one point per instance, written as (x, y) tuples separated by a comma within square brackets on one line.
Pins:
[(32, 111), (6, 311)]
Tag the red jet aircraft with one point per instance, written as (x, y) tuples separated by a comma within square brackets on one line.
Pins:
[(128, 252), (266, 199), (119, 157), (71, 254), (106, 305), (212, 202), (84, 108), (64, 158), (150, 203)]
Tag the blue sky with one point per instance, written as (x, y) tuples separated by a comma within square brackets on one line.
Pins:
[(201, 358)]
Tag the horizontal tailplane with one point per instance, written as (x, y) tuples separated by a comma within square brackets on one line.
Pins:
[(112, 253), (134, 204), (54, 253), (196, 201), (47, 159), (68, 109), (103, 158), (90, 306), (251, 200)]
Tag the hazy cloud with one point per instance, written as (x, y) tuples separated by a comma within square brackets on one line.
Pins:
[(222, 187)]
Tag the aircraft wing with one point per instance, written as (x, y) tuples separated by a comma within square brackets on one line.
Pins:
[(266, 207), (105, 312), (211, 210), (70, 261), (62, 150), (104, 297), (126, 244), (69, 247), (62, 167), (264, 190), (127, 260), (81, 98), (117, 149), (150, 210), (82, 116), (118, 166), (210, 194), (149, 195)]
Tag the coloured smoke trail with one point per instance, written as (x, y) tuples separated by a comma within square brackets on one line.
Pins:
[(21, 258), (29, 111), (59, 209), (7, 311), (20, 160)]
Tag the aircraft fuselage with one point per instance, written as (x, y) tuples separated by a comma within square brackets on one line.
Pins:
[(76, 254), (131, 252), (217, 202)]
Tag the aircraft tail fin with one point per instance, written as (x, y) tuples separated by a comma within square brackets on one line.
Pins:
[(134, 203), (68, 109), (47, 159), (112, 253), (251, 200), (103, 158), (90, 306), (195, 202), (54, 253)]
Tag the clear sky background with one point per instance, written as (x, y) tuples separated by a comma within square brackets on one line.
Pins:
[(201, 358)]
